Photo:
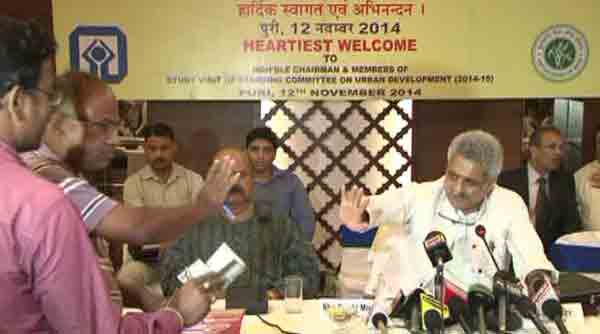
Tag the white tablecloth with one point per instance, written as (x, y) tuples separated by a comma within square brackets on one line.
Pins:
[(311, 321)]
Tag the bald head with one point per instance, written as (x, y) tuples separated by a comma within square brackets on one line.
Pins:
[(240, 196), (87, 97), (90, 110)]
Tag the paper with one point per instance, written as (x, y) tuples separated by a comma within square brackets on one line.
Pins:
[(224, 260)]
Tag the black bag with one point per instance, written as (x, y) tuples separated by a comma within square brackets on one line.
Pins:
[(577, 288)]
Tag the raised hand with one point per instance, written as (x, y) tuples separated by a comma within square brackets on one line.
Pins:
[(352, 206), (219, 180)]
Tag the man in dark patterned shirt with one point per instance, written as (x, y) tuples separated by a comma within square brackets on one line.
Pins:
[(271, 246)]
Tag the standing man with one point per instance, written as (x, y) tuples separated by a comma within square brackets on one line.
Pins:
[(80, 137), (588, 194), (161, 183), (49, 278), (465, 197), (280, 187), (548, 192)]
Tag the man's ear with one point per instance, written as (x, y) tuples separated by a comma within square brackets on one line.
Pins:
[(13, 100)]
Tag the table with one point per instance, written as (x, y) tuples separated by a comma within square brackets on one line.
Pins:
[(312, 321)]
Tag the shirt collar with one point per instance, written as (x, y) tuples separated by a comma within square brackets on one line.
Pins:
[(446, 211), (276, 174), (45, 151), (10, 152), (147, 173), (533, 175)]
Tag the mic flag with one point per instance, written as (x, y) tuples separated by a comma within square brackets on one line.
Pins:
[(428, 302), (436, 248)]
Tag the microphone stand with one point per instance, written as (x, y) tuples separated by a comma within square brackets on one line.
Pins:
[(439, 290)]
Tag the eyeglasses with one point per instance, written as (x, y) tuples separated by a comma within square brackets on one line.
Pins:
[(106, 127), (54, 98)]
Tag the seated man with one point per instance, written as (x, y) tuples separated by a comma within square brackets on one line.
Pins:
[(549, 192), (588, 194), (272, 247), (465, 197), (162, 183)]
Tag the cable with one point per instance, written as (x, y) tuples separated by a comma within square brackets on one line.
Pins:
[(274, 325)]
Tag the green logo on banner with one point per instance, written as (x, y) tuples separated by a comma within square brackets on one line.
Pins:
[(560, 53)]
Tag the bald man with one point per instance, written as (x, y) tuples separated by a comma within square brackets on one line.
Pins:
[(81, 137), (271, 246)]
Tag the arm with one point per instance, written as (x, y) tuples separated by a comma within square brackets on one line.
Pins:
[(72, 293), (143, 225), (66, 277), (524, 243), (302, 211), (299, 257)]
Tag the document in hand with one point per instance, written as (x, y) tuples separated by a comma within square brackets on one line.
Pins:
[(224, 260)]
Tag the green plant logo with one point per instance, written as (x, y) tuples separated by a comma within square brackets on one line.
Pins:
[(560, 53)]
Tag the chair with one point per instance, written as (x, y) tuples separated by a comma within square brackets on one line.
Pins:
[(363, 257), (577, 252)]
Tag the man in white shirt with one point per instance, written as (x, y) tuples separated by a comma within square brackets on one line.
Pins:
[(466, 196), (588, 192)]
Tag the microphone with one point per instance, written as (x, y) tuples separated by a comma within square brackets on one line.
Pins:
[(503, 281), (552, 309), (380, 321), (410, 310), (513, 321), (528, 310), (480, 300), (458, 312), (506, 287), (437, 248), (480, 231), (541, 291), (433, 321)]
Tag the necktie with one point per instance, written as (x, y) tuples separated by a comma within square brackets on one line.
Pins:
[(541, 203)]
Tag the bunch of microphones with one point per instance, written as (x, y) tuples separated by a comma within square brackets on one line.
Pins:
[(499, 310)]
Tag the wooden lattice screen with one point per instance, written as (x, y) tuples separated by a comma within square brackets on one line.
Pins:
[(331, 144)]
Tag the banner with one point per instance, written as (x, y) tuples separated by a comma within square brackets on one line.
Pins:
[(334, 49)]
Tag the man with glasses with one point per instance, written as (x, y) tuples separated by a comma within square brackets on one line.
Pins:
[(548, 192), (465, 197), (49, 279), (80, 137)]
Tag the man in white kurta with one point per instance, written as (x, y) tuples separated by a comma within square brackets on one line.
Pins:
[(588, 191), (466, 196)]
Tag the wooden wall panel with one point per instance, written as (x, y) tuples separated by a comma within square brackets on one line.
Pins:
[(437, 122), (202, 128)]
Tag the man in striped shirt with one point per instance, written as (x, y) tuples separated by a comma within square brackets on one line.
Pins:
[(80, 137)]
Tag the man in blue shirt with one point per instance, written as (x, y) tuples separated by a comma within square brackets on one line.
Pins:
[(282, 188)]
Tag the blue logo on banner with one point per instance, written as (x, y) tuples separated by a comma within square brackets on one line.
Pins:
[(101, 50)]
